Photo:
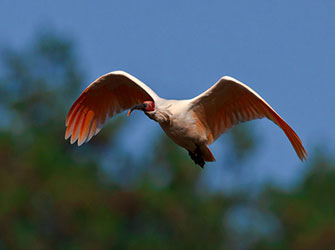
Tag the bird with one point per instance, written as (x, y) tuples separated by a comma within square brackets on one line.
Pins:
[(192, 124)]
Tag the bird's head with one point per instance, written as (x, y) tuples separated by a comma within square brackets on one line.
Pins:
[(146, 106)]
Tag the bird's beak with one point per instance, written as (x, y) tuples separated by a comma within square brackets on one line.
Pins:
[(141, 106)]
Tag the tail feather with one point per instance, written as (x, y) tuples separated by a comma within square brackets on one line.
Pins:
[(206, 154)]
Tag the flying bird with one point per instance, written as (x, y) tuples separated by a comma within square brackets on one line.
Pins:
[(192, 124)]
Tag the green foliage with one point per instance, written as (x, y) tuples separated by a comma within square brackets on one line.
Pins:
[(56, 196), (307, 213)]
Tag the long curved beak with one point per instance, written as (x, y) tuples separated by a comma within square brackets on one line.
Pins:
[(141, 106)]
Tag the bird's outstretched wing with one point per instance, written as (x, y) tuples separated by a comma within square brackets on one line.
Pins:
[(108, 95), (229, 102)]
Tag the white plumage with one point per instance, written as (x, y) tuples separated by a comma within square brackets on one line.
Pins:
[(192, 124)]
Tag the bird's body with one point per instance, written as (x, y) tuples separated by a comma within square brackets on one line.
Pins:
[(192, 124), (184, 127)]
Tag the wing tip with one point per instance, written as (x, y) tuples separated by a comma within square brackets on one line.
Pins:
[(80, 143), (294, 139), (66, 136), (303, 154), (73, 141)]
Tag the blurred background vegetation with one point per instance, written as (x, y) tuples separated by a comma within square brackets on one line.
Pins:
[(54, 195)]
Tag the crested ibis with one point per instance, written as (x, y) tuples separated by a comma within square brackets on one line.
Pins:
[(192, 124)]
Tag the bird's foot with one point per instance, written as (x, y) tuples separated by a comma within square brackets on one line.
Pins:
[(196, 157)]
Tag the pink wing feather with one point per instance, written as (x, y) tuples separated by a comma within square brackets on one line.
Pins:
[(108, 95), (229, 102)]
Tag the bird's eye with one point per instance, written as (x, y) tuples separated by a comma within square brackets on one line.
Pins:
[(149, 106)]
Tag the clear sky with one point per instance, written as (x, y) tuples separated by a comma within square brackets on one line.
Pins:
[(285, 50)]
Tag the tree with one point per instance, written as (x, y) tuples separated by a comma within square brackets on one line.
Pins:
[(53, 195), (306, 214), (57, 196)]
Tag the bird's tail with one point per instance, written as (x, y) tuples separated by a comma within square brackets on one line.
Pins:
[(206, 154)]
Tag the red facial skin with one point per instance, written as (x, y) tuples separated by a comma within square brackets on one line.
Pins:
[(150, 106)]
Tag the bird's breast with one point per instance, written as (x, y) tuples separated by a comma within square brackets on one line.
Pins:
[(186, 130)]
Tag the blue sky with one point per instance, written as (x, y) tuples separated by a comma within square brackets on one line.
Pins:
[(285, 50)]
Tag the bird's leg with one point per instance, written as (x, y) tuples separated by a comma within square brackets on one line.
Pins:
[(199, 159), (196, 157), (192, 155)]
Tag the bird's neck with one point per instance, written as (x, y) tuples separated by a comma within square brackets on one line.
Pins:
[(160, 116)]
